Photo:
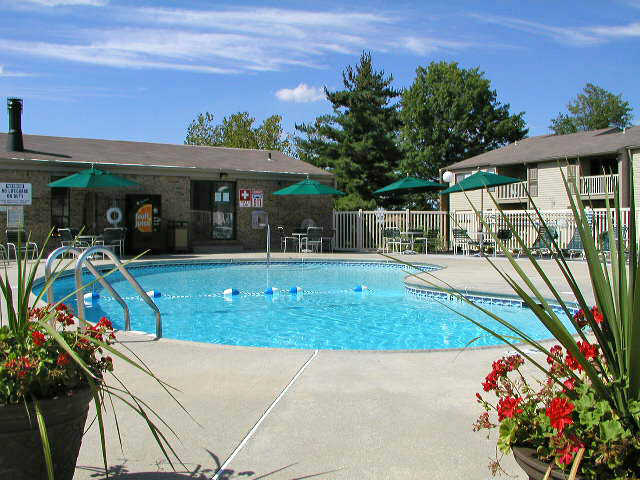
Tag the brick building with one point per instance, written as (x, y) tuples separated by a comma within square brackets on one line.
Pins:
[(214, 189)]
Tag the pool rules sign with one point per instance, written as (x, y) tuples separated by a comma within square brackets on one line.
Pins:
[(15, 193)]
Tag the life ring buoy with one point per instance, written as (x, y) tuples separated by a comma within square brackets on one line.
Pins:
[(114, 215)]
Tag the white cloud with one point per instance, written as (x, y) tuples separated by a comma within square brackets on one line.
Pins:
[(575, 36), (425, 45), (60, 3), (303, 93), (630, 30), (6, 73)]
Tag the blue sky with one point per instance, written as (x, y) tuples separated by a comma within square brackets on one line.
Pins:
[(142, 70)]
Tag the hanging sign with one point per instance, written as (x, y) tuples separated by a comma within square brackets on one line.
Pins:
[(144, 218), (245, 197), (15, 193), (257, 198)]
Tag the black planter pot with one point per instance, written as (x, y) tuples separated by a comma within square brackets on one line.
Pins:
[(21, 454), (526, 458)]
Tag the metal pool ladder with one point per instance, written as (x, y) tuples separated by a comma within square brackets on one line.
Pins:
[(83, 260)]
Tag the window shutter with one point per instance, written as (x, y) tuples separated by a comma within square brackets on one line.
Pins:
[(571, 177), (533, 180)]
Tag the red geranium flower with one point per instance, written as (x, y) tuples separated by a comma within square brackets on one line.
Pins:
[(38, 338), (559, 412), (572, 363), (589, 351), (597, 316), (569, 383), (508, 407), (63, 359)]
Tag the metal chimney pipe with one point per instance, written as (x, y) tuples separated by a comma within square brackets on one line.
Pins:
[(14, 137)]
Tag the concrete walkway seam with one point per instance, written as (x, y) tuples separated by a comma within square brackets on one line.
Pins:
[(248, 436)]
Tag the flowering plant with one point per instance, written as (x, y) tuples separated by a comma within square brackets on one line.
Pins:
[(38, 365), (562, 419), (587, 411), (46, 353)]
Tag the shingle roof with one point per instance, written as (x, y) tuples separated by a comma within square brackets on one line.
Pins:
[(86, 150), (552, 147)]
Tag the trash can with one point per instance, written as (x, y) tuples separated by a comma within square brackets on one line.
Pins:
[(178, 231)]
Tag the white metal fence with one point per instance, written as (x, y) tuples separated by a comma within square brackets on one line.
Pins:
[(363, 230)]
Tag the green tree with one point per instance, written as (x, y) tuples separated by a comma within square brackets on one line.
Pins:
[(358, 141), (450, 114), (593, 109), (238, 131)]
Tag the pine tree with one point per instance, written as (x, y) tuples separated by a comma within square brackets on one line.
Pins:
[(358, 141)]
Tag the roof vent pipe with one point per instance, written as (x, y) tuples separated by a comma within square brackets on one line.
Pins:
[(14, 137), (268, 156)]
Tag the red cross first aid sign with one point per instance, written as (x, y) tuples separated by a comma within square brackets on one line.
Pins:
[(245, 197)]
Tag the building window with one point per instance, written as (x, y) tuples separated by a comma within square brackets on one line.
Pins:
[(532, 176), (60, 206)]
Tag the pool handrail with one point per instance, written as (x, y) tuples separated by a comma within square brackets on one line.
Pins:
[(125, 273), (77, 252)]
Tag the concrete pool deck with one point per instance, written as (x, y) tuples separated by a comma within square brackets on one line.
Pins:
[(337, 414)]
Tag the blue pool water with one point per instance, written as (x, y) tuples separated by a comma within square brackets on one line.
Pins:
[(327, 315)]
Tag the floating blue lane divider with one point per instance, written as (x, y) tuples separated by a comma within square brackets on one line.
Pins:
[(231, 291), (295, 290), (271, 291), (154, 293), (360, 288)]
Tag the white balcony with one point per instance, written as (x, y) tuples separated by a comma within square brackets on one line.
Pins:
[(513, 191), (598, 184)]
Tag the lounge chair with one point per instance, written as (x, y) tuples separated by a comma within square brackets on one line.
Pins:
[(284, 238), (113, 238), (605, 246), (68, 239), (544, 243), (19, 241), (393, 239), (461, 240), (314, 238), (575, 248), (431, 239)]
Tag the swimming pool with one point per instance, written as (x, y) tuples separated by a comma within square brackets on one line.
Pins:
[(326, 314)]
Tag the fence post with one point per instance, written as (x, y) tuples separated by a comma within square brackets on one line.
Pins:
[(359, 235), (407, 220)]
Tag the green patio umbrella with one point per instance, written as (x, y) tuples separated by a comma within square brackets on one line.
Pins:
[(479, 181), (410, 184), (93, 178), (308, 187)]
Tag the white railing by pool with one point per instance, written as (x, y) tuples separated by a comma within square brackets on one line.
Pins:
[(513, 191), (598, 184), (363, 230)]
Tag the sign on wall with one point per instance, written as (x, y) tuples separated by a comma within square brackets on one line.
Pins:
[(15, 216), (257, 198), (15, 193), (244, 197), (250, 198)]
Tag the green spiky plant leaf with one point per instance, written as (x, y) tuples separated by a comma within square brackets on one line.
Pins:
[(43, 356)]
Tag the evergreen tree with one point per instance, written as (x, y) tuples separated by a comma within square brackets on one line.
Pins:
[(358, 141), (450, 114), (593, 109)]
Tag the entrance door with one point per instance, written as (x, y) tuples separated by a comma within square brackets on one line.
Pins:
[(213, 209)]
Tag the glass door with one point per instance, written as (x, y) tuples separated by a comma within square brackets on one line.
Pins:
[(224, 210), (213, 210)]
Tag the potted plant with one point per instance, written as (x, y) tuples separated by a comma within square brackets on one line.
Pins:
[(51, 368), (581, 419)]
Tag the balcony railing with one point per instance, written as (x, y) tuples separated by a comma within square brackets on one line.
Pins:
[(513, 191), (598, 184)]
